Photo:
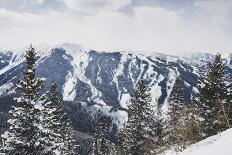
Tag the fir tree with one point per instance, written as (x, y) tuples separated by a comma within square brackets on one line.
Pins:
[(212, 99), (101, 144), (120, 149), (37, 124), (24, 135), (60, 125), (229, 102), (2, 145), (120, 140), (192, 124), (160, 135), (140, 132), (176, 117)]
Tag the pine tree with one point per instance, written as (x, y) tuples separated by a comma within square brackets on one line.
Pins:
[(177, 117), (38, 124), (229, 102), (191, 124), (1, 146), (101, 144), (139, 131), (120, 149), (62, 131), (24, 135), (212, 99), (160, 135)]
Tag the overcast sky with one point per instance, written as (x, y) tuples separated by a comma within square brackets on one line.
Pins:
[(167, 26)]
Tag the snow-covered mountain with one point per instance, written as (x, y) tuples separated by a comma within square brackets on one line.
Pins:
[(105, 78)]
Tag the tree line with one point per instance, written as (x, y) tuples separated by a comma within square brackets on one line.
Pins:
[(39, 125), (151, 130)]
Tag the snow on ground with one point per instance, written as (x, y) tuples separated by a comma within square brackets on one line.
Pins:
[(43, 50), (131, 65), (119, 117), (14, 61), (119, 72), (156, 89), (216, 145), (227, 59), (125, 100), (69, 92), (79, 63), (142, 68), (171, 78), (4, 88), (186, 84), (195, 71)]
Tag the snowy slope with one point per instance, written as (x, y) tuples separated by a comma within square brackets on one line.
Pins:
[(216, 145), (105, 78)]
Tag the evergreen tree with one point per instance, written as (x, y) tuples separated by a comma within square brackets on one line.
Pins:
[(120, 149), (212, 99), (101, 144), (121, 139), (1, 146), (140, 132), (37, 124), (229, 103), (24, 135), (177, 117), (160, 135), (60, 125), (192, 124)]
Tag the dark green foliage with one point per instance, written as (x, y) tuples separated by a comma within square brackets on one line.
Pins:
[(193, 124), (229, 103), (84, 142), (121, 138), (6, 102), (160, 125), (23, 123), (176, 116), (101, 144), (60, 124), (140, 130), (3, 121), (79, 116), (212, 100)]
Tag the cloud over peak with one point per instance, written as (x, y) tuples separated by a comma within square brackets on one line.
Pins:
[(120, 24)]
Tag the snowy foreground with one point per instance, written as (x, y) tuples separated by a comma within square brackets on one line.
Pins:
[(216, 145)]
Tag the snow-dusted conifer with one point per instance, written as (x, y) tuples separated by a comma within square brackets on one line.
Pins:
[(229, 102), (57, 121), (176, 117), (160, 125), (212, 99), (2, 145), (101, 144), (120, 149), (192, 124), (140, 129), (24, 134)]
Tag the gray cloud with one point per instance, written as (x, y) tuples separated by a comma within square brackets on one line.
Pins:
[(92, 7), (33, 6), (154, 25), (170, 4)]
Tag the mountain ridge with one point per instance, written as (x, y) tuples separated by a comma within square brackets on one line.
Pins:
[(92, 70), (90, 80)]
